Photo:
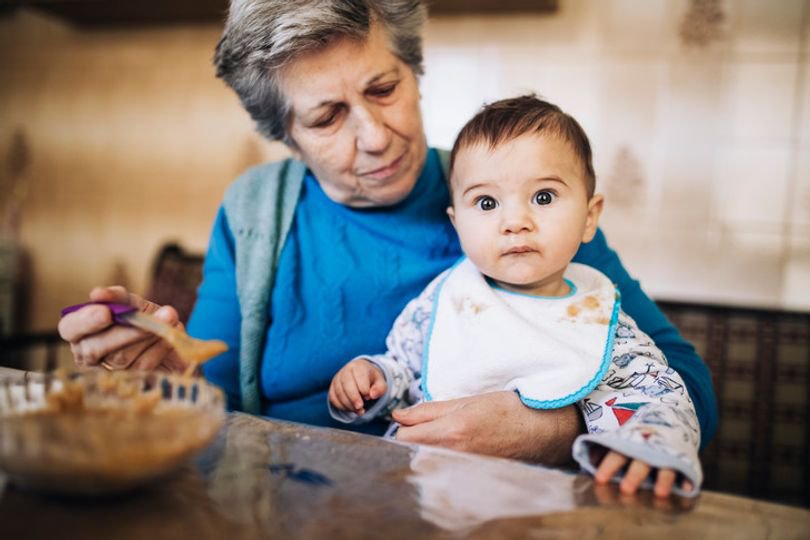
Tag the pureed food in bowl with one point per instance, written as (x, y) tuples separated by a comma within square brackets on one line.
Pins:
[(98, 432)]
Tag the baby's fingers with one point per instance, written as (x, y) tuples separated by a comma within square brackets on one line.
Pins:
[(353, 399), (333, 398), (664, 482), (635, 475), (378, 384), (687, 486), (368, 378), (343, 398), (609, 466), (360, 373)]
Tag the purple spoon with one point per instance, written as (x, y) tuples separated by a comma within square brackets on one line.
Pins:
[(118, 310)]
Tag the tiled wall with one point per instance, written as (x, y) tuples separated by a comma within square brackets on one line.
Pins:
[(701, 150), (130, 142)]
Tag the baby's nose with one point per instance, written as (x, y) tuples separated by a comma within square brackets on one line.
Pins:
[(517, 220)]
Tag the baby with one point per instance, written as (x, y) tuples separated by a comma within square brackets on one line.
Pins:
[(516, 314)]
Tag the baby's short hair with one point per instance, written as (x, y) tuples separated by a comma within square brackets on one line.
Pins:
[(508, 119)]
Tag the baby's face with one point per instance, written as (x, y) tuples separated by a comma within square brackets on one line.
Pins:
[(521, 211)]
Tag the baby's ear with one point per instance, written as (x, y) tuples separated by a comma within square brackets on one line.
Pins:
[(595, 206)]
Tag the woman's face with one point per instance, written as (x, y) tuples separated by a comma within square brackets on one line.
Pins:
[(355, 120)]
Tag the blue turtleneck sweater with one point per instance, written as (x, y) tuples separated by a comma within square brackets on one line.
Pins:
[(345, 274)]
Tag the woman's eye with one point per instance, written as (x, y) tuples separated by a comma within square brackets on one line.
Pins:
[(544, 197), (329, 117), (383, 91), (486, 203), (325, 121)]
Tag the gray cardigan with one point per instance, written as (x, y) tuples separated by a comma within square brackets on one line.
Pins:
[(260, 206)]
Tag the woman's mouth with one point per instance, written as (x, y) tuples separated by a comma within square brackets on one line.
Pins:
[(385, 171)]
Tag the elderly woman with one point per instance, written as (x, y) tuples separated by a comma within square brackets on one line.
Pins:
[(312, 258)]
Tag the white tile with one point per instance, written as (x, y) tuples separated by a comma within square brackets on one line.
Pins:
[(766, 242), (682, 264), (648, 240), (690, 108), (799, 186), (457, 81), (625, 174), (758, 26), (570, 85), (630, 26), (686, 189), (805, 32), (798, 239), (803, 127), (569, 30), (759, 100), (796, 282), (628, 95), (703, 25), (750, 186)]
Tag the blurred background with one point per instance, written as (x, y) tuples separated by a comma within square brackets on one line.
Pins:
[(116, 139)]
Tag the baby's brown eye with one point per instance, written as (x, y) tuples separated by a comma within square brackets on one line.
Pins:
[(487, 203), (544, 197)]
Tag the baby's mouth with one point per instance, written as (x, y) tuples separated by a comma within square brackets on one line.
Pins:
[(519, 250)]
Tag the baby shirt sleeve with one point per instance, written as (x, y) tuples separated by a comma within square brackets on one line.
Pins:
[(402, 362), (641, 409)]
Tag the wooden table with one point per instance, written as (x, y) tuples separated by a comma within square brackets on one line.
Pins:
[(266, 479)]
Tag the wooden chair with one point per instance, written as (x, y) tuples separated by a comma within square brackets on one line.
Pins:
[(760, 363), (176, 274)]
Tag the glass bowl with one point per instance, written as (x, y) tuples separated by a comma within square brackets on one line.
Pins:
[(96, 432)]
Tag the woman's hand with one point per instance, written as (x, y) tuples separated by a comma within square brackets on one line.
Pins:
[(356, 382), (636, 473), (496, 423), (95, 338)]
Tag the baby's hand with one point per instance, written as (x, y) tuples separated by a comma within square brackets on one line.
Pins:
[(635, 475), (356, 382)]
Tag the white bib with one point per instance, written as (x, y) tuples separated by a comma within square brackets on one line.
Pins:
[(552, 351)]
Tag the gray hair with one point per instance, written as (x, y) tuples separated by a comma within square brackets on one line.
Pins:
[(262, 36)]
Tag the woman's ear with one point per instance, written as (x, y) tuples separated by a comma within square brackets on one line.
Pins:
[(296, 153), (595, 205), (293, 148), (451, 213)]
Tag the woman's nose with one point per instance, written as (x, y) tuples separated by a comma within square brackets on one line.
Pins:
[(373, 136)]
